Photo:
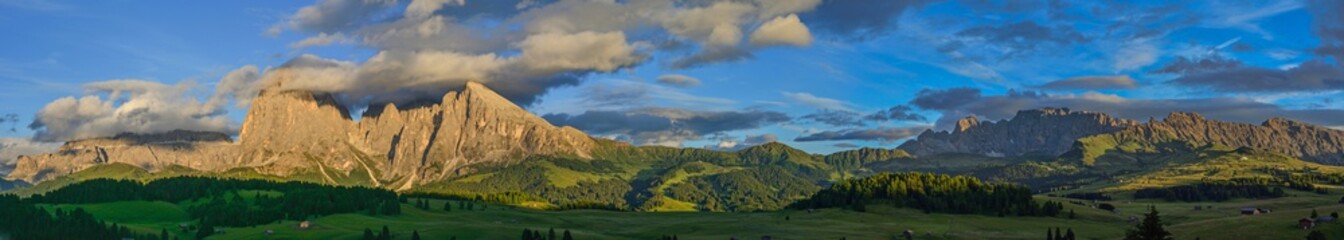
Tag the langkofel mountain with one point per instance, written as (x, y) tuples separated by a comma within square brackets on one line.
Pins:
[(290, 132)]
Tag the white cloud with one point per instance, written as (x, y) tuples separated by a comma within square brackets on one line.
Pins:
[(12, 148), (321, 39), (787, 30), (133, 106), (424, 8), (818, 102), (1134, 55)]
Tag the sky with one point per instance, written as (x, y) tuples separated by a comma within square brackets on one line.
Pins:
[(820, 75)]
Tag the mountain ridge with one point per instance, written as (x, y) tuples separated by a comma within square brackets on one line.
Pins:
[(1046, 131), (289, 132)]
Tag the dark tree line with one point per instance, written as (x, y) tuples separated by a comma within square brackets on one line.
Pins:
[(1056, 234), (1211, 191), (223, 203), (1088, 196), (529, 234), (932, 193), (21, 220)]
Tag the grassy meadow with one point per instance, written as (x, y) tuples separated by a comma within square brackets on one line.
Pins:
[(1222, 221)]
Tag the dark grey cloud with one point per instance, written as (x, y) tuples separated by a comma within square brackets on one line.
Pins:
[(875, 134), (834, 118), (935, 99), (1021, 37), (1314, 75), (1002, 6), (896, 113), (859, 18), (1186, 66), (846, 145), (1328, 24), (1244, 110), (329, 16), (1242, 47), (678, 80), (12, 120), (1091, 83), (666, 126), (710, 56), (619, 95)]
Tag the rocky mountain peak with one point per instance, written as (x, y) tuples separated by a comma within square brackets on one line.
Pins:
[(295, 132), (1048, 131), (967, 123), (1184, 117), (1306, 141)]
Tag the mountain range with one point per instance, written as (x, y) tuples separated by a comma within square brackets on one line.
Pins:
[(475, 143)]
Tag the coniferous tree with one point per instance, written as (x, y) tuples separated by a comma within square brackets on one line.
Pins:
[(368, 234), (1313, 214), (1316, 235), (415, 235), (1049, 234), (448, 206), (1072, 215), (567, 236), (386, 234), (163, 234), (1149, 229), (551, 235), (1059, 235), (1069, 235), (205, 230)]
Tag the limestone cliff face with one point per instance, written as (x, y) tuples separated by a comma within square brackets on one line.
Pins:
[(475, 125), (1049, 131), (200, 150), (1306, 141), (299, 132)]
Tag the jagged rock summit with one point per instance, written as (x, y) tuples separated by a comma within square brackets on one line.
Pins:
[(1309, 142), (310, 135), (1089, 136), (1047, 131)]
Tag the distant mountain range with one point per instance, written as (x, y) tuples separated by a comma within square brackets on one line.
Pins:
[(475, 143)]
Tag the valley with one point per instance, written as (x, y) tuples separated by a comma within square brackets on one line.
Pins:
[(536, 176)]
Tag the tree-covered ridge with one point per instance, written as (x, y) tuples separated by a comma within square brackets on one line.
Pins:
[(22, 220), (221, 203), (854, 159), (932, 193), (767, 188)]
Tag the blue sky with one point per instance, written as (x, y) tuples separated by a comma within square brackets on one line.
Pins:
[(821, 75)]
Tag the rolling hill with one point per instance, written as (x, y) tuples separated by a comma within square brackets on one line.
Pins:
[(476, 144)]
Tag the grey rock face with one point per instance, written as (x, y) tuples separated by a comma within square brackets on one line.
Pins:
[(1298, 139), (295, 132), (1049, 131)]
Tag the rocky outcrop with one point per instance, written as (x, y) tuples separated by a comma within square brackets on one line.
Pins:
[(1298, 139), (1048, 131), (288, 132), (200, 150), (473, 126)]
